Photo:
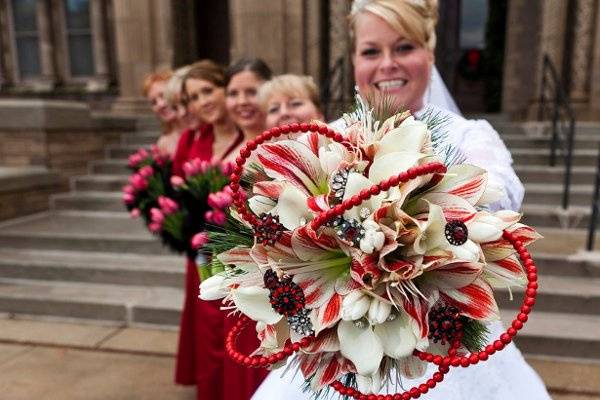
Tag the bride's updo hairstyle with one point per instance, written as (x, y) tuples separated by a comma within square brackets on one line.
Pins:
[(415, 19)]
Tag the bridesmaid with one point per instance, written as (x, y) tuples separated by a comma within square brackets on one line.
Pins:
[(288, 99), (154, 89), (243, 80), (201, 338)]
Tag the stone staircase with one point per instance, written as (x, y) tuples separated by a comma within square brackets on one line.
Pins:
[(86, 258), (566, 321)]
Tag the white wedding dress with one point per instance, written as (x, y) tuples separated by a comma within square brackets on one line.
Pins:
[(506, 375)]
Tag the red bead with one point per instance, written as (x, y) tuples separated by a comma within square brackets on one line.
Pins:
[(530, 301), (489, 349), (498, 345), (512, 332), (394, 181), (482, 355), (372, 397), (313, 127), (444, 369), (505, 338), (423, 388), (244, 152), (285, 128), (532, 285), (295, 127), (464, 362), (532, 276), (304, 127), (323, 130), (375, 190), (385, 185), (452, 352), (338, 137), (473, 358), (397, 396), (517, 324), (276, 131), (437, 360), (455, 362), (272, 359), (525, 309), (365, 194), (405, 396), (531, 292), (532, 269), (355, 200), (414, 393), (296, 347), (438, 377)]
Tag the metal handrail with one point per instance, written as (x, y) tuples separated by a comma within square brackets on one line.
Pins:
[(591, 238), (560, 105)]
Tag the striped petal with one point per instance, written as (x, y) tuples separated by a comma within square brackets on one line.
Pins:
[(294, 162), (454, 275), (329, 314), (465, 181), (505, 272), (328, 370), (475, 301)]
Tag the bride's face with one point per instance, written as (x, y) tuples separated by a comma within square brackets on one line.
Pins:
[(385, 62)]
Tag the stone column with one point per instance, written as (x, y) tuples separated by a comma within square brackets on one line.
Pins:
[(582, 50), (100, 48), (284, 33), (47, 65), (143, 46)]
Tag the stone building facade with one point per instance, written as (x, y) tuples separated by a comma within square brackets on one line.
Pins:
[(99, 50)]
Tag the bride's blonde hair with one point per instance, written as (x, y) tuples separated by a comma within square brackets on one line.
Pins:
[(416, 19)]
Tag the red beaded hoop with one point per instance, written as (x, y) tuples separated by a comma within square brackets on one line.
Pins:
[(444, 363)]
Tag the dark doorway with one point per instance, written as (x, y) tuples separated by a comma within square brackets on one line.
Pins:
[(201, 31), (470, 52)]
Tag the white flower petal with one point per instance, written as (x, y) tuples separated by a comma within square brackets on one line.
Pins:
[(292, 208), (213, 288), (261, 204), (397, 337), (361, 346), (254, 302), (482, 231)]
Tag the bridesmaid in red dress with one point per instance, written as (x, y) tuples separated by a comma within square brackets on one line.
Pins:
[(201, 338), (243, 80)]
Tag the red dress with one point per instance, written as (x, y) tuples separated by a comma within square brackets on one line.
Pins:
[(201, 358)]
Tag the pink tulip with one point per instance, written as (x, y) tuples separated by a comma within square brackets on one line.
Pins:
[(177, 181), (146, 171), (134, 160), (135, 213), (167, 205), (138, 182), (143, 153), (216, 217), (199, 240), (188, 169), (128, 189), (154, 227), (157, 216), (227, 168), (128, 198)]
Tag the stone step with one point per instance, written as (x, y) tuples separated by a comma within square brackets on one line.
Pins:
[(544, 142), (534, 128), (524, 156), (80, 231), (576, 217), (577, 295), (562, 242), (92, 201), (122, 151), (582, 264), (99, 183), (551, 194), (555, 175), (125, 304), (559, 334), (568, 378), (110, 167), (142, 138), (91, 267)]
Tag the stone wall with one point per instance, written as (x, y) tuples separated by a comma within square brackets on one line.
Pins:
[(25, 190)]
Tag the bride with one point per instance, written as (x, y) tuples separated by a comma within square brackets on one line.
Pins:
[(393, 45)]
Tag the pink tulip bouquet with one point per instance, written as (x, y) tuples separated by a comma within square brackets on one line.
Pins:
[(367, 254)]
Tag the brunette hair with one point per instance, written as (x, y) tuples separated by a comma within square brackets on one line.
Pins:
[(255, 65)]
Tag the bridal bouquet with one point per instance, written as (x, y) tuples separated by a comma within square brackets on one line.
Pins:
[(368, 254)]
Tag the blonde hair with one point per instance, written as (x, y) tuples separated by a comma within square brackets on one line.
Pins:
[(416, 19), (290, 85), (175, 85), (154, 77)]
